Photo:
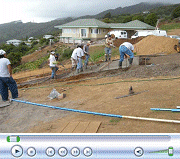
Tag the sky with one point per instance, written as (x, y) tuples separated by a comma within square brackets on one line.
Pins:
[(47, 10)]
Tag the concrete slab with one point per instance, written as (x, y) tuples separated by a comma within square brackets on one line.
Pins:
[(125, 63)]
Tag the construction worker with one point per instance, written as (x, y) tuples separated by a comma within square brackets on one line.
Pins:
[(74, 59), (53, 64), (126, 48), (108, 45), (6, 80), (86, 52), (80, 56)]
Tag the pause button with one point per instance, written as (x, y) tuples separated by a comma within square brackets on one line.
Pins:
[(75, 152)]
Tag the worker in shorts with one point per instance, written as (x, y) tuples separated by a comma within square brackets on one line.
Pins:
[(53, 64), (126, 49), (6, 79), (86, 52), (108, 46)]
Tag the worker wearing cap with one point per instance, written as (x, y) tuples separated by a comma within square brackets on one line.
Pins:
[(126, 48), (53, 64), (86, 52), (6, 80), (108, 45)]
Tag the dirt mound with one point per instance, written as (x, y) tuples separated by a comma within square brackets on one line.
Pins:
[(155, 45)]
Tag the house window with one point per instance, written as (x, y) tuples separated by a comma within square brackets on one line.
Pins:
[(67, 31), (95, 31)]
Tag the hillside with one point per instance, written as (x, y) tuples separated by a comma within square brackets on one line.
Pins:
[(131, 9), (19, 30)]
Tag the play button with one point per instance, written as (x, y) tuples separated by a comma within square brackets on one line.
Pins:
[(17, 151), (138, 151)]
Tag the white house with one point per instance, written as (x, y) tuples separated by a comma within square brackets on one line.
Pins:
[(14, 42), (48, 36), (89, 29)]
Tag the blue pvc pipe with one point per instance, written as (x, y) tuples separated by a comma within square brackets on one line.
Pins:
[(175, 110), (67, 109), (160, 109)]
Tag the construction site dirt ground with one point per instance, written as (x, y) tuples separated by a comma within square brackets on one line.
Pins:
[(160, 80)]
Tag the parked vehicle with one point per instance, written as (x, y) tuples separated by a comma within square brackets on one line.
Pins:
[(141, 33), (119, 34), (175, 37)]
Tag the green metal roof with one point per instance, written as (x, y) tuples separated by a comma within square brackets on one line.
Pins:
[(133, 25), (139, 25), (90, 23), (94, 23)]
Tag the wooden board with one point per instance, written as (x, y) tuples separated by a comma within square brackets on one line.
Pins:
[(61, 127), (93, 127), (82, 126), (79, 127), (70, 127)]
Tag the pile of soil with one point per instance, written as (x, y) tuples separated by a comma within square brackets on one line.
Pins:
[(155, 45)]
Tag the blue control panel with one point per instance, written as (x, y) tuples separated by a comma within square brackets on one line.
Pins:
[(90, 146)]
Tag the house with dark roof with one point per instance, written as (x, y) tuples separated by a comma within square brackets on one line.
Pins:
[(82, 29)]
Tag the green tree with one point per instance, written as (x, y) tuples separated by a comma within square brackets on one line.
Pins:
[(15, 58), (106, 20), (151, 19), (108, 15), (23, 48), (138, 17), (127, 19), (176, 12)]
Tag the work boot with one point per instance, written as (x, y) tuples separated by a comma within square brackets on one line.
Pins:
[(130, 61), (120, 64), (77, 71), (105, 58), (109, 57)]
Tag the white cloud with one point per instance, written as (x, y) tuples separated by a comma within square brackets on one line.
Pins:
[(46, 10)]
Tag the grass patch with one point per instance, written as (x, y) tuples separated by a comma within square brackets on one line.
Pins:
[(31, 65), (114, 120), (170, 26), (97, 53)]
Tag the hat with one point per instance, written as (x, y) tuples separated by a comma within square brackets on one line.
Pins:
[(52, 52), (79, 45), (2, 52)]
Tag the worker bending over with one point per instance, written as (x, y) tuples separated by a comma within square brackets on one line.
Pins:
[(126, 48)]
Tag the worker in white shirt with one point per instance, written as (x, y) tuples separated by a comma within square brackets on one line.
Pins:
[(126, 48), (80, 56), (74, 59), (53, 64), (6, 80)]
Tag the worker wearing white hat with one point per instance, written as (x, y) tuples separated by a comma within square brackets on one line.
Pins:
[(52, 64), (6, 80)]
